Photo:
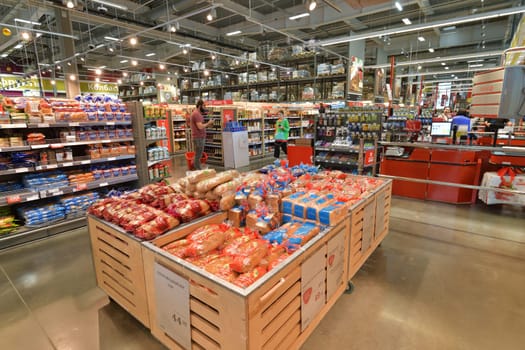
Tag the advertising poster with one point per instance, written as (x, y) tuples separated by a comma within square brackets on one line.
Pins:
[(355, 85)]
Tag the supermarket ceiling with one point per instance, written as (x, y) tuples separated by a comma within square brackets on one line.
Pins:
[(186, 34)]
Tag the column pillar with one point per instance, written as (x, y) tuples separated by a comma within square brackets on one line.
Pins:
[(67, 48)]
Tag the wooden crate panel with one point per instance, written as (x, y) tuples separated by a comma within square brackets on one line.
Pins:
[(266, 317), (119, 267)]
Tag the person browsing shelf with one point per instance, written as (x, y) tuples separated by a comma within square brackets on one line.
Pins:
[(198, 132), (282, 129)]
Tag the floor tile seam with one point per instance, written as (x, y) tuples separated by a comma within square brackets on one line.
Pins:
[(435, 239), (28, 308), (458, 230)]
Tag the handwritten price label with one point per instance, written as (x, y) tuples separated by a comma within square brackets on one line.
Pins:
[(13, 199), (81, 187)]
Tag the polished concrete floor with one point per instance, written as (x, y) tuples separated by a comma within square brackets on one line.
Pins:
[(446, 277)]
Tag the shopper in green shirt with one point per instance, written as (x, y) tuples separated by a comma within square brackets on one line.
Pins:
[(282, 129)]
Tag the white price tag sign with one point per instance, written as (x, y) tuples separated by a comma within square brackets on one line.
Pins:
[(43, 125), (74, 124), (21, 170), (85, 162), (103, 184), (172, 293), (67, 164)]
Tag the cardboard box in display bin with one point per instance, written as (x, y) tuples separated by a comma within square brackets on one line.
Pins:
[(191, 308), (304, 142)]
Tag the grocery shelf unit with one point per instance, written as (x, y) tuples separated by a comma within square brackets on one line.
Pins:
[(252, 120), (309, 78), (147, 159), (74, 139), (179, 129), (139, 87), (347, 139), (397, 127), (214, 145)]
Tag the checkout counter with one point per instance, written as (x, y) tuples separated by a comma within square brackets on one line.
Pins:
[(456, 164)]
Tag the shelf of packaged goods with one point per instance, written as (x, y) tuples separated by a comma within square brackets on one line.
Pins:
[(87, 186), (18, 196), (248, 119), (259, 130), (157, 139), (179, 129), (337, 162), (73, 124), (13, 126), (295, 127), (293, 117), (153, 119), (153, 162), (338, 149), (269, 129), (15, 149), (78, 162), (25, 234), (217, 145), (77, 143), (214, 131), (138, 96), (179, 140), (16, 171)]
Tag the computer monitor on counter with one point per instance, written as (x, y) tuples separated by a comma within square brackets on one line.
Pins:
[(441, 129)]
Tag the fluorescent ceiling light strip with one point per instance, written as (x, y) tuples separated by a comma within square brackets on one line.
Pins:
[(407, 21), (27, 22), (476, 65), (110, 4), (301, 15), (448, 72), (233, 33), (150, 54), (111, 38), (399, 6), (425, 26), (19, 46), (124, 61)]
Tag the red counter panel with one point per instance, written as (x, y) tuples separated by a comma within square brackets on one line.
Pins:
[(406, 168), (462, 174)]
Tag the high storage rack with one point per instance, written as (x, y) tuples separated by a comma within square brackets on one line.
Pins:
[(110, 132), (347, 139), (146, 159)]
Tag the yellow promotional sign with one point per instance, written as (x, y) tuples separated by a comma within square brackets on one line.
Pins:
[(99, 88), (14, 83)]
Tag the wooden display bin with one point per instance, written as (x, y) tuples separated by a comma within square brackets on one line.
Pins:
[(191, 308), (117, 258), (119, 265), (369, 221)]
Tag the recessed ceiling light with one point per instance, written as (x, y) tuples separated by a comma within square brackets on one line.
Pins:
[(98, 71), (399, 6), (133, 41), (124, 74), (52, 82), (150, 54), (141, 83), (119, 81), (70, 4), (407, 21), (421, 38), (430, 49), (443, 64), (161, 66), (446, 68), (134, 63), (26, 36), (72, 77), (301, 15), (312, 5), (184, 50), (419, 67), (82, 59)]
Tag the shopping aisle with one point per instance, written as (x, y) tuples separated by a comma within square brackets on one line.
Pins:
[(447, 277)]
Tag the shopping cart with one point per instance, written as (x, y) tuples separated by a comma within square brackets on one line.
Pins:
[(190, 157)]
